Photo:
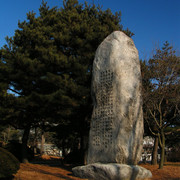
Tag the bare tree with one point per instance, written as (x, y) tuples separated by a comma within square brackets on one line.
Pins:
[(162, 101)]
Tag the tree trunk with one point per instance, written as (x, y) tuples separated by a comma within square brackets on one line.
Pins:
[(24, 145), (35, 142), (165, 157), (85, 145), (64, 152), (8, 134), (42, 143), (162, 150), (155, 151)]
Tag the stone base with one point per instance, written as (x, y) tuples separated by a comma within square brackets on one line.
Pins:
[(111, 171)]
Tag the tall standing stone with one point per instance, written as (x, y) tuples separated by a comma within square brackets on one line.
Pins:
[(116, 131)]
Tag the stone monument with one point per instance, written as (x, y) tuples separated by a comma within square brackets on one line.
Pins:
[(116, 133)]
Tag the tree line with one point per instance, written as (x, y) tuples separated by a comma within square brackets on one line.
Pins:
[(45, 76)]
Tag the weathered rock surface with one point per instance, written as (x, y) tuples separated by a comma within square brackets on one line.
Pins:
[(111, 171), (116, 131)]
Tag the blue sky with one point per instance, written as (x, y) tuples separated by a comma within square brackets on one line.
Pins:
[(152, 21)]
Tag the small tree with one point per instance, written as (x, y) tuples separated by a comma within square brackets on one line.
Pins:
[(146, 90), (163, 100)]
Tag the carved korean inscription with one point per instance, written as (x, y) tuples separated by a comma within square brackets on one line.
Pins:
[(102, 118)]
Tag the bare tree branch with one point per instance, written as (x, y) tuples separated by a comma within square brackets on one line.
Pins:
[(154, 117)]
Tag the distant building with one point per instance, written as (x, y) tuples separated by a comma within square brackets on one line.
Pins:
[(51, 149), (148, 143)]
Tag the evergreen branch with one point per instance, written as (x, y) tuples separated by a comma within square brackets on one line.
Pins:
[(14, 91), (172, 71)]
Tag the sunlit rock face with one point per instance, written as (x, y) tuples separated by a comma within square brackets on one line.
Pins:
[(112, 171), (116, 131)]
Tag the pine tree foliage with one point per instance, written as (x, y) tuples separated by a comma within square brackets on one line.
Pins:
[(48, 63)]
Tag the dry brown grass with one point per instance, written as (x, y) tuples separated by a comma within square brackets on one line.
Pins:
[(170, 171), (46, 170), (42, 172)]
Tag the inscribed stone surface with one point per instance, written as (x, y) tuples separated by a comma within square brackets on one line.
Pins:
[(117, 121)]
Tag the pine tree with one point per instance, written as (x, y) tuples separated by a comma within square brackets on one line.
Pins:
[(48, 65)]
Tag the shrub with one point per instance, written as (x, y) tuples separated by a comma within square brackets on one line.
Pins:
[(9, 164), (16, 149)]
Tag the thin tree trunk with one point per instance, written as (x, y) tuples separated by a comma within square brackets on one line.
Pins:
[(165, 157), (155, 151), (24, 145), (8, 134), (85, 149), (162, 150), (4, 141), (35, 142), (63, 149), (42, 143)]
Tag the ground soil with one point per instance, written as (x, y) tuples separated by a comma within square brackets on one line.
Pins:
[(52, 168), (170, 171)]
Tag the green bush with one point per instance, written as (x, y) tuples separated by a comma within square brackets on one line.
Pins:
[(9, 165)]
